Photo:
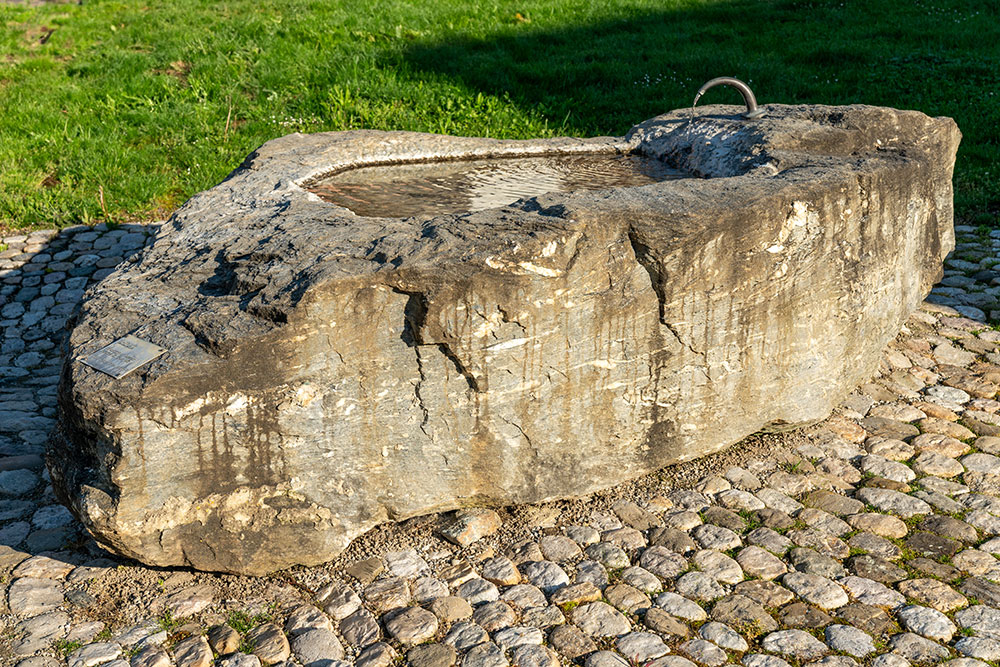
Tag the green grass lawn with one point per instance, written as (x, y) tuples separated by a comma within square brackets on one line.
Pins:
[(150, 102)]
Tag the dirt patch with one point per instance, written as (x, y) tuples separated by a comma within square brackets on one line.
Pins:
[(177, 69), (37, 35), (130, 592)]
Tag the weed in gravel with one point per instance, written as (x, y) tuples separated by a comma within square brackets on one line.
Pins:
[(243, 622), (64, 647), (568, 607), (750, 519), (167, 622)]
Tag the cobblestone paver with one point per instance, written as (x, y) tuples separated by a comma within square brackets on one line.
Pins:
[(873, 538)]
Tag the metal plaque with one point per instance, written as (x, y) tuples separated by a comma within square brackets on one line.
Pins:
[(123, 356)]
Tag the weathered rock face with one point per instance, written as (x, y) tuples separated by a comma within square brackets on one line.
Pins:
[(327, 372)]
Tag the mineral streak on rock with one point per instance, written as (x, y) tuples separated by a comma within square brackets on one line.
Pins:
[(327, 372)]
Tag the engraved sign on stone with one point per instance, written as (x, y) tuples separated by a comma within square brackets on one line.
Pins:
[(123, 356)]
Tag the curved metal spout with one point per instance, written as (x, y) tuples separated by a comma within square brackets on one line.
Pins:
[(748, 97)]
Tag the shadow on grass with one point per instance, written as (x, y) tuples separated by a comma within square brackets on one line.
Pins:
[(939, 58)]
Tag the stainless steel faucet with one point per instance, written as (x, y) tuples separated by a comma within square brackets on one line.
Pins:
[(748, 97)]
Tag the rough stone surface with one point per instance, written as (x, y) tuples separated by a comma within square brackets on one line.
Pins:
[(223, 639), (916, 649), (93, 654), (599, 619), (470, 526), (815, 589), (412, 626), (797, 644), (742, 612), (571, 642), (723, 636), (849, 640), (316, 644), (193, 652), (269, 643), (327, 372), (926, 622), (431, 655), (641, 646), (703, 652), (486, 654)]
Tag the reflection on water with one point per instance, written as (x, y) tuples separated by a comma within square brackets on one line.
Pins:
[(434, 188)]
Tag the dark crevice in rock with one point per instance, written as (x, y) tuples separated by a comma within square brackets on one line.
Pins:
[(577, 247), (381, 258), (415, 319), (268, 312), (237, 279), (239, 275), (644, 256), (373, 253), (459, 366), (200, 339), (223, 281), (532, 205)]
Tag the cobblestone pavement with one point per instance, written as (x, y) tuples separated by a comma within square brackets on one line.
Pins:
[(872, 538)]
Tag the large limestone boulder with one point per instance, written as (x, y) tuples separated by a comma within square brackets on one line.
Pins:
[(327, 372)]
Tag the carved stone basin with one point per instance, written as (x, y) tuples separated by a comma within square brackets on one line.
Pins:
[(432, 188), (327, 371)]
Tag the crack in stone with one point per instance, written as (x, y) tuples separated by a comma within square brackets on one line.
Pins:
[(199, 338), (669, 327), (523, 433), (577, 249), (511, 320), (462, 369), (414, 321), (419, 396), (642, 255), (641, 252)]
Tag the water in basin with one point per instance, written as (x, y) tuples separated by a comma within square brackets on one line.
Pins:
[(427, 189)]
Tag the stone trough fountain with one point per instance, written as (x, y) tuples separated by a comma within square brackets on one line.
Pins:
[(356, 327)]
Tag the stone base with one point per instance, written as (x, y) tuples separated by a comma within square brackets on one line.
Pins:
[(327, 372)]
